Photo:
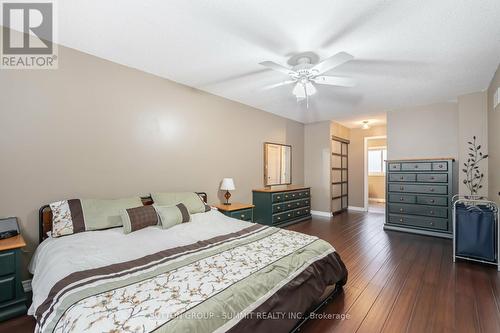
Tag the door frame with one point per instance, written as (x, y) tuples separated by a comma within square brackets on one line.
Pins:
[(365, 160)]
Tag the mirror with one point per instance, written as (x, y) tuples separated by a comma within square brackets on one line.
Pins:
[(277, 164)]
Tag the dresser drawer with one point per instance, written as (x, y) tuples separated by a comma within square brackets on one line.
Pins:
[(279, 218), (303, 194), (302, 212), (277, 197), (402, 177), (406, 166), (394, 166), (430, 189), (278, 208), (402, 198), (7, 289), (244, 214), (7, 262), (432, 177), (422, 222), (419, 210), (435, 201), (443, 166), (291, 195)]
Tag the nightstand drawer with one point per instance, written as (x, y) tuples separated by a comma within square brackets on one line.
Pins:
[(245, 214), (277, 197), (7, 289), (7, 262)]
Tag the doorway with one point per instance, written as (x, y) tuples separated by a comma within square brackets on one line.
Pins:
[(375, 156)]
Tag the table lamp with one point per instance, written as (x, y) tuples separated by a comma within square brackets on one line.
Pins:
[(227, 185)]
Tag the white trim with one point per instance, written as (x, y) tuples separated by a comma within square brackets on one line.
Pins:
[(365, 163), (26, 285), (357, 209), (320, 213)]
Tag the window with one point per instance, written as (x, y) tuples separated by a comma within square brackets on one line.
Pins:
[(376, 158)]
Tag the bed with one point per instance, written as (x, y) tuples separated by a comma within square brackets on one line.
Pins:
[(213, 274)]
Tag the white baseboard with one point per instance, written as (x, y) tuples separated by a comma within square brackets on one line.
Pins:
[(377, 199), (26, 285), (357, 209), (320, 213)]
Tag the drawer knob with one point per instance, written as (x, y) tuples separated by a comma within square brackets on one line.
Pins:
[(440, 166), (289, 215), (401, 188), (298, 203), (431, 223), (400, 220), (433, 201), (402, 178), (431, 212), (401, 199), (416, 166), (432, 178), (279, 218), (242, 216), (289, 205), (431, 189), (278, 197), (401, 209), (278, 208)]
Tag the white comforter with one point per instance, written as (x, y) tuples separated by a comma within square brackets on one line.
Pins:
[(56, 258)]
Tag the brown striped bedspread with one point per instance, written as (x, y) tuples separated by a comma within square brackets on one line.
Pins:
[(258, 279)]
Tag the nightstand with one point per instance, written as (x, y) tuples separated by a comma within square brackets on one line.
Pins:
[(12, 298), (237, 210)]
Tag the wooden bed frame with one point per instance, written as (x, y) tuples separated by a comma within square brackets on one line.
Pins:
[(45, 215), (45, 225)]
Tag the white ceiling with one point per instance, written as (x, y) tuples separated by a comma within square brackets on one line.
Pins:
[(407, 52)]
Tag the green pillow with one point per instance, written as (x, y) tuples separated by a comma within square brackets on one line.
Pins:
[(103, 214), (172, 215), (191, 200)]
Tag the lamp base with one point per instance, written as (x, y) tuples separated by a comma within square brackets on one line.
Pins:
[(227, 203), (227, 195)]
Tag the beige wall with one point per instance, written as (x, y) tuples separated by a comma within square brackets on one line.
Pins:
[(423, 132), (356, 163), (317, 152), (93, 128), (472, 121), (494, 140)]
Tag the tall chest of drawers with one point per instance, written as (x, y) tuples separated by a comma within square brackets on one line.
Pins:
[(419, 194), (283, 206)]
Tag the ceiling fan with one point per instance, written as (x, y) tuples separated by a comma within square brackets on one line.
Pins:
[(306, 71)]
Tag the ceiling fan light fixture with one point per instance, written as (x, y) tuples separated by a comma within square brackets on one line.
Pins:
[(299, 91), (310, 89), (365, 125)]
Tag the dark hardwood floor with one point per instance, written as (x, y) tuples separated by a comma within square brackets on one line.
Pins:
[(398, 282)]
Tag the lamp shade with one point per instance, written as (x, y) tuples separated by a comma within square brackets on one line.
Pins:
[(227, 184)]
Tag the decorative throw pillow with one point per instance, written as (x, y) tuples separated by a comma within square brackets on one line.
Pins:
[(191, 200), (172, 215), (67, 217), (78, 215), (139, 218)]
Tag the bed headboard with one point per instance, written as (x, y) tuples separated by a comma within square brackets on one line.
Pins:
[(45, 215)]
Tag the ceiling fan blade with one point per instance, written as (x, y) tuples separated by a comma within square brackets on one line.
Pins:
[(332, 62), (335, 81), (279, 84), (277, 67)]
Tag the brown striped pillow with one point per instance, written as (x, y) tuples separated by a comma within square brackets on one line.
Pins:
[(139, 218)]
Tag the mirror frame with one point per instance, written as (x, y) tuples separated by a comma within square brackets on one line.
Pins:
[(265, 163)]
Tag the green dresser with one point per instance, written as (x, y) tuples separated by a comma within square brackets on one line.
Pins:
[(12, 298), (418, 196), (283, 206)]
